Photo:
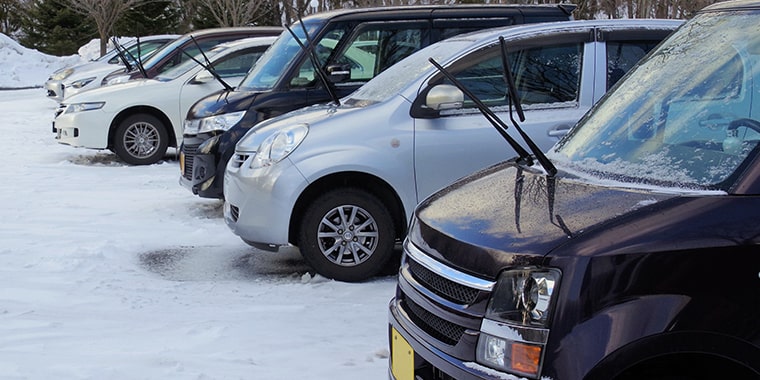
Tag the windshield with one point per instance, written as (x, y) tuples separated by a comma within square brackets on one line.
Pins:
[(275, 61), (400, 75), (185, 66), (686, 117)]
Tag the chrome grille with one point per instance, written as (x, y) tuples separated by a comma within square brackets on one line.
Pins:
[(189, 153), (443, 287), (443, 330)]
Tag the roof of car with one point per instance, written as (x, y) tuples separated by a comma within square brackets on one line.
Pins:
[(264, 30), (249, 41), (740, 4), (420, 11)]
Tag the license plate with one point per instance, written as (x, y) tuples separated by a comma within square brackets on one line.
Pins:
[(181, 162), (402, 357)]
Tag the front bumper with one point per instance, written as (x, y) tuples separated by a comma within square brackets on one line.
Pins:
[(88, 129), (54, 90), (429, 363), (259, 202)]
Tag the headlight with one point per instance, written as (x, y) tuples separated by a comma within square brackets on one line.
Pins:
[(81, 107), (82, 82), (117, 80), (514, 331), (279, 145), (62, 74), (221, 122)]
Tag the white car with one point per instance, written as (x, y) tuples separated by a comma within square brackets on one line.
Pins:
[(140, 119), (74, 79)]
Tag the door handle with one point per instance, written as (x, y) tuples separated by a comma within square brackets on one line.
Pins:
[(559, 130)]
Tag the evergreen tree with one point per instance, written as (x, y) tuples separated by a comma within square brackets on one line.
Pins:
[(53, 28), (159, 17)]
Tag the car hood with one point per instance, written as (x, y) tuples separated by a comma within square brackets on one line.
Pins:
[(222, 102), (506, 215), (314, 116), (123, 92)]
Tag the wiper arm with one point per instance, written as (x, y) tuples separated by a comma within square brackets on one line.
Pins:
[(501, 127), (120, 54), (208, 66), (512, 88), (315, 61)]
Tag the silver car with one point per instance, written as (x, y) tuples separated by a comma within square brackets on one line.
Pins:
[(341, 181)]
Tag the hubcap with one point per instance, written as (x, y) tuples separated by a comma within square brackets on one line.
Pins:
[(347, 235), (141, 139)]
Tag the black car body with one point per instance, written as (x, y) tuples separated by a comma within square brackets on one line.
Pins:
[(638, 259), (353, 45)]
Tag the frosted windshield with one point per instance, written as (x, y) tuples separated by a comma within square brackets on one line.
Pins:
[(687, 116)]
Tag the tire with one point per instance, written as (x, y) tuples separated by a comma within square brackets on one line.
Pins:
[(329, 242), (141, 139)]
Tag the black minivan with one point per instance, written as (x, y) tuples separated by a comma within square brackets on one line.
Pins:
[(352, 46), (631, 250)]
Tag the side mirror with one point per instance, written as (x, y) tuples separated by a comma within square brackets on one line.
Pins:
[(339, 73), (203, 77), (444, 97), (432, 100)]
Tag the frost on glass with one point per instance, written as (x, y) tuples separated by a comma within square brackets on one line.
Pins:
[(686, 117)]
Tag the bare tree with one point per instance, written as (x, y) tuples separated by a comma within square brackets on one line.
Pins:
[(233, 12), (105, 14)]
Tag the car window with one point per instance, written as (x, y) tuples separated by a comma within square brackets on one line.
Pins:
[(146, 49), (623, 55), (543, 74), (191, 50), (370, 51), (238, 64)]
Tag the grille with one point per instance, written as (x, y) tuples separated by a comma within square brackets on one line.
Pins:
[(234, 212), (443, 287), (189, 152), (445, 331)]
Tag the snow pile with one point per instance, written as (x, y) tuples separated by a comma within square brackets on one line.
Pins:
[(21, 67)]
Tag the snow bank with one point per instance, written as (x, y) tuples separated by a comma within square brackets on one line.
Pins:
[(21, 67)]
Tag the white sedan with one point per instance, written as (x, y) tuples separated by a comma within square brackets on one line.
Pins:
[(140, 119)]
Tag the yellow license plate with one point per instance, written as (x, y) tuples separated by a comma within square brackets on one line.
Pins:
[(402, 357), (181, 162)]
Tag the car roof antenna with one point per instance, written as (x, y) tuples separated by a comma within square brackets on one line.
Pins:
[(120, 54), (314, 61), (523, 155), (208, 66), (514, 99)]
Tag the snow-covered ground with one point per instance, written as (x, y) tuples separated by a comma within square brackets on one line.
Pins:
[(115, 272)]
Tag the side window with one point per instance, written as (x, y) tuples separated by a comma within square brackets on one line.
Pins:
[(548, 74), (237, 64), (623, 55), (543, 74), (305, 77), (374, 48)]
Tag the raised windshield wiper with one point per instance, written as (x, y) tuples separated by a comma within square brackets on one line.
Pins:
[(120, 53), (512, 88), (314, 61), (208, 65), (524, 157)]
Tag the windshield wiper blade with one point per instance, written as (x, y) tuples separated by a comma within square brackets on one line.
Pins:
[(512, 88), (523, 155), (314, 61), (208, 66), (120, 54)]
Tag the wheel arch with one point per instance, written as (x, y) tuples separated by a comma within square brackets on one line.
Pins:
[(367, 182), (691, 354), (127, 112)]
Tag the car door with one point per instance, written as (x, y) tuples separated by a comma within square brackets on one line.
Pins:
[(554, 74)]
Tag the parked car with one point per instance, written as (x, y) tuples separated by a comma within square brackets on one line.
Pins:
[(74, 79), (186, 46), (632, 253), (286, 79), (139, 119), (340, 182)]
